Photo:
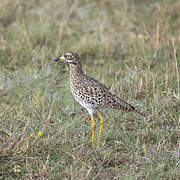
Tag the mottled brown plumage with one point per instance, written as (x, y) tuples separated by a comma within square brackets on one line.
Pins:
[(90, 93)]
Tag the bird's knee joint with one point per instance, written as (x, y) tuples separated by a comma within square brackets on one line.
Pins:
[(93, 125), (102, 123)]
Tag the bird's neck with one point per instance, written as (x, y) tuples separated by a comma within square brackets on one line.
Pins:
[(76, 70)]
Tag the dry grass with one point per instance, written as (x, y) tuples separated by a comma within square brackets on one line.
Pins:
[(131, 46)]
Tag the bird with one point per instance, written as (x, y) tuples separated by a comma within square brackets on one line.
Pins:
[(91, 94)]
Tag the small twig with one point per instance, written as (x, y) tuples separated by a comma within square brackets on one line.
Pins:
[(47, 159), (78, 160), (47, 121), (176, 65)]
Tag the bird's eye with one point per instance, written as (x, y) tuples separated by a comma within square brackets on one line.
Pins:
[(68, 57)]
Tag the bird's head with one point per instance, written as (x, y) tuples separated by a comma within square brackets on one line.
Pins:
[(69, 58)]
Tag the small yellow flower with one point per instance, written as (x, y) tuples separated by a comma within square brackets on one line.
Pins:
[(16, 169), (141, 36), (31, 135), (40, 133)]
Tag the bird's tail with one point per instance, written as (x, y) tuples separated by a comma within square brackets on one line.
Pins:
[(132, 108), (123, 105), (145, 114)]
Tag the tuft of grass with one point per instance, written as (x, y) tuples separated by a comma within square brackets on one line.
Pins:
[(131, 46)]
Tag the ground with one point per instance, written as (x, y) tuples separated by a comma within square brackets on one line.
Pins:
[(130, 46)]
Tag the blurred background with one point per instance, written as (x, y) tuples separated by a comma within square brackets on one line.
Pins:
[(132, 46)]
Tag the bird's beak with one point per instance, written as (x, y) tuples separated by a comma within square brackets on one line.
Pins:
[(56, 59), (62, 58)]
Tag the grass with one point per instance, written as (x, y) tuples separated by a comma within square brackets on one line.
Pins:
[(131, 46)]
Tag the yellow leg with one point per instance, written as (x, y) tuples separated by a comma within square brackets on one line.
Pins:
[(101, 128), (93, 127)]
